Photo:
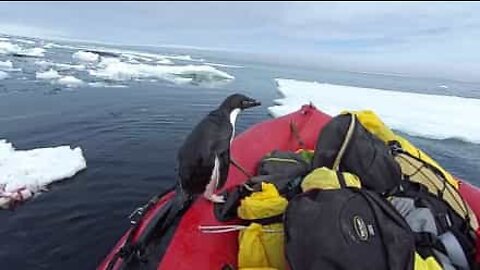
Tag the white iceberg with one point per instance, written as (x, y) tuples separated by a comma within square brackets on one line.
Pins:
[(85, 56), (183, 58), (222, 65), (9, 48), (105, 85), (70, 81), (14, 49), (431, 116), (60, 66), (6, 65), (49, 45), (164, 62), (114, 69), (34, 169), (33, 52), (50, 74), (3, 75), (26, 41)]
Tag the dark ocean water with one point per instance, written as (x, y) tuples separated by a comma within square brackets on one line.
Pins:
[(129, 138)]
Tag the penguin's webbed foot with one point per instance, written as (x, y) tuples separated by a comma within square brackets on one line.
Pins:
[(216, 198)]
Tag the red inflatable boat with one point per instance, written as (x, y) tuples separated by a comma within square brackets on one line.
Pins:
[(187, 247)]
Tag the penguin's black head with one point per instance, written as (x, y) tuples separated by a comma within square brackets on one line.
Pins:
[(238, 101)]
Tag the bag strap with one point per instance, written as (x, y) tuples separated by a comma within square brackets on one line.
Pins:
[(454, 250), (341, 179), (348, 137), (267, 220)]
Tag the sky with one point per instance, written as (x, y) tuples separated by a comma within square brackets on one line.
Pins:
[(437, 39)]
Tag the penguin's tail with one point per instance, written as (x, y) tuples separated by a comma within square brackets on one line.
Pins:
[(177, 206), (157, 229)]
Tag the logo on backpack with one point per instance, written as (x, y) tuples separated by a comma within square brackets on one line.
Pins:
[(360, 228)]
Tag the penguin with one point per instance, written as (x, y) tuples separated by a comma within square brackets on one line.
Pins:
[(204, 158)]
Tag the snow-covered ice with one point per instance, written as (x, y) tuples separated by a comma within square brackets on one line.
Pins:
[(431, 116)]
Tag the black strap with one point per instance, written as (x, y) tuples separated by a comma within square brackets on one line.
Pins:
[(429, 240), (341, 179), (268, 220), (240, 168)]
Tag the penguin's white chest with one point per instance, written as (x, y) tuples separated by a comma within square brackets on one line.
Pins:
[(233, 120)]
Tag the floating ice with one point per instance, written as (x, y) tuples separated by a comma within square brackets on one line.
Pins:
[(6, 65), (58, 46), (51, 74), (114, 69), (33, 52), (34, 169), (9, 48), (59, 66), (55, 77), (85, 56), (183, 58), (431, 116), (26, 41), (70, 81), (146, 57), (164, 62), (49, 45), (222, 65), (3, 75), (105, 85), (14, 49)]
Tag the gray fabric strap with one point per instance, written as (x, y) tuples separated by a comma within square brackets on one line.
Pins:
[(419, 219), (422, 220), (444, 260), (454, 250)]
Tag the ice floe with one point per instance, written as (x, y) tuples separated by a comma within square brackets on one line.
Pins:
[(53, 76), (114, 69), (50, 74), (9, 48), (60, 66), (16, 50), (222, 65), (3, 75), (85, 56), (26, 41), (6, 65), (431, 116), (70, 81), (106, 85), (32, 170)]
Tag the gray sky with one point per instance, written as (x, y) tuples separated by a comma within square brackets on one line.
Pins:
[(423, 38)]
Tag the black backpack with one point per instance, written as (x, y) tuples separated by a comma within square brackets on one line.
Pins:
[(283, 169), (345, 145), (346, 228)]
